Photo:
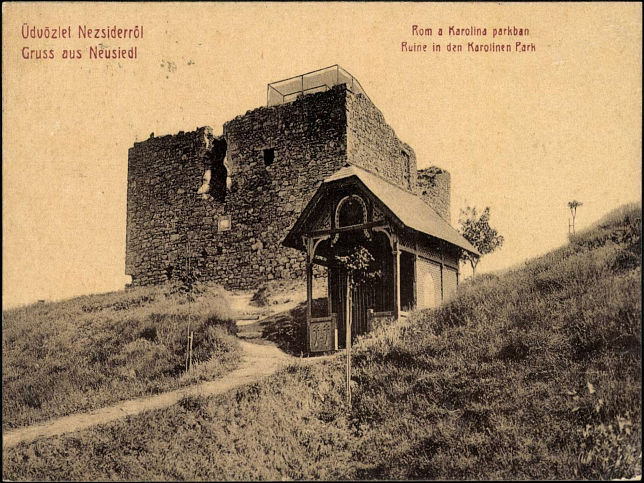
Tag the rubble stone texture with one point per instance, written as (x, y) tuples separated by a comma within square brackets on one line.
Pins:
[(259, 175), (433, 185)]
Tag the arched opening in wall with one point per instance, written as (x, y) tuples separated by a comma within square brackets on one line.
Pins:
[(351, 211)]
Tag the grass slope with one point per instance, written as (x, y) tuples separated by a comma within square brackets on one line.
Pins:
[(535, 374), (91, 351)]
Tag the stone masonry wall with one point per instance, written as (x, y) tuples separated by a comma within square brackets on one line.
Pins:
[(434, 187), (373, 145), (165, 212), (308, 137), (259, 174)]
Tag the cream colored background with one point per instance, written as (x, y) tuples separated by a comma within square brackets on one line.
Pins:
[(523, 133)]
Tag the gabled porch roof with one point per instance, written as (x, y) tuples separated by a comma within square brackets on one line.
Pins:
[(409, 209)]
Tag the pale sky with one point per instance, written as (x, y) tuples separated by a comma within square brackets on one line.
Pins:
[(523, 133)]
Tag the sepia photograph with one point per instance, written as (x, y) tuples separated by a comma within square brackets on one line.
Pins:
[(321, 241)]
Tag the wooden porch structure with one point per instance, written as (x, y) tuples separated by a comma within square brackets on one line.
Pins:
[(416, 256)]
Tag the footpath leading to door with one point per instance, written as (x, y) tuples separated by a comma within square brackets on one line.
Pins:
[(259, 360)]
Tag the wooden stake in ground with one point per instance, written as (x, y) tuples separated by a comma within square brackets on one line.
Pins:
[(192, 337), (189, 341), (348, 340)]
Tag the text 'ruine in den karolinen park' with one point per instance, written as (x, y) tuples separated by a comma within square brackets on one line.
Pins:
[(47, 42), (455, 39)]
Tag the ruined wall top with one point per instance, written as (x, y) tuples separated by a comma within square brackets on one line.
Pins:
[(233, 198), (434, 186), (370, 142)]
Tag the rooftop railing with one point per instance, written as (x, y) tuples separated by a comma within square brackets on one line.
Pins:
[(287, 90)]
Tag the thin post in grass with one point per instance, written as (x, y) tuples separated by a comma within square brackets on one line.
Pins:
[(189, 341), (348, 340)]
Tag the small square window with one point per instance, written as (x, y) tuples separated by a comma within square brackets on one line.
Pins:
[(269, 156)]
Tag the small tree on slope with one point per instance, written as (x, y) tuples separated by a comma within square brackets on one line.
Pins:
[(476, 229), (573, 205)]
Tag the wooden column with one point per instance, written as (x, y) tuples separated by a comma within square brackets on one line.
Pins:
[(348, 340), (415, 271), (458, 271), (442, 248), (396, 254), (329, 289), (415, 275), (309, 297), (309, 291)]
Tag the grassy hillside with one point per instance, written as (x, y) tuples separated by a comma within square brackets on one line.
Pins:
[(87, 352), (535, 374)]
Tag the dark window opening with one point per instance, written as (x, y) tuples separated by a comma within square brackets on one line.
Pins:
[(351, 213), (269, 156)]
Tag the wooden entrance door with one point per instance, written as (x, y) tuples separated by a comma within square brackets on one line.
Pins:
[(363, 298), (377, 294)]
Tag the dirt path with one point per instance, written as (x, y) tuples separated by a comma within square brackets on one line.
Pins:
[(258, 361), (260, 358), (248, 314)]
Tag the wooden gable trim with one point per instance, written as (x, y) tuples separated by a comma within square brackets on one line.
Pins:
[(363, 226)]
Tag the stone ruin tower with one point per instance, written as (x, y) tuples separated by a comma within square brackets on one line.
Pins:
[(227, 201)]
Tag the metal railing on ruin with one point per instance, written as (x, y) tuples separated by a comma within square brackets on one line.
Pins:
[(320, 80)]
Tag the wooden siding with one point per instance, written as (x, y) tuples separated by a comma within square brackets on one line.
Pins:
[(450, 281), (428, 279)]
